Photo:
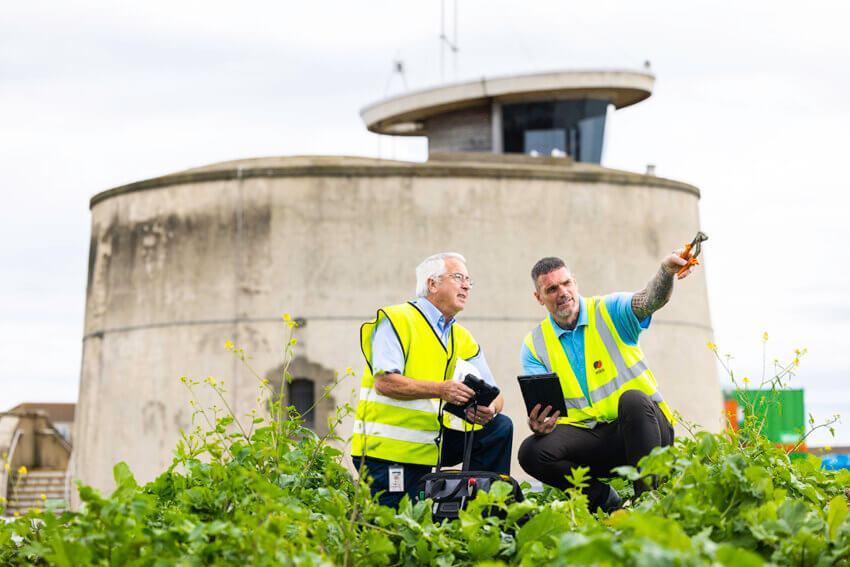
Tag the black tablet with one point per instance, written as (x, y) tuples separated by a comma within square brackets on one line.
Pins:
[(543, 389)]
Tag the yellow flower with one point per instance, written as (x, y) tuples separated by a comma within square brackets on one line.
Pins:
[(265, 381), (228, 345), (292, 324), (764, 337), (44, 497), (827, 448), (286, 317), (5, 454), (348, 370), (17, 515), (711, 345), (293, 341), (746, 381), (6, 466), (22, 470), (37, 511)]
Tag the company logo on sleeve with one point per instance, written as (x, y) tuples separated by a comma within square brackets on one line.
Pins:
[(597, 366)]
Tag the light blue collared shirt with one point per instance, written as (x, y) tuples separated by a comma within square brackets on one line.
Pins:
[(619, 306), (388, 356)]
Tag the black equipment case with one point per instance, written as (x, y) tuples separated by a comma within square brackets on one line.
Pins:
[(451, 490)]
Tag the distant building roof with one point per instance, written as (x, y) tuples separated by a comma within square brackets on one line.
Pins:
[(56, 412), (402, 115)]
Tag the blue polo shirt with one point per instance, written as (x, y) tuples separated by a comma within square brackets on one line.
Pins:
[(388, 356), (619, 306)]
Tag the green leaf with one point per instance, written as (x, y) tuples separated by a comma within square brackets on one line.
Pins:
[(706, 444), (125, 484), (836, 513), (484, 545), (793, 513), (628, 472), (122, 474), (579, 477), (545, 524), (665, 531), (729, 556), (518, 510), (500, 490), (425, 554), (471, 519), (600, 549)]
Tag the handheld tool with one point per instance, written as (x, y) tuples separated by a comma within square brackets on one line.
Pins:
[(691, 252)]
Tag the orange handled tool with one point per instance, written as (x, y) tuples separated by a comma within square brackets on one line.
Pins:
[(691, 252)]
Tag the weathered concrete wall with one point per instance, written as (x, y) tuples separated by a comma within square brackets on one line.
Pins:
[(467, 130), (183, 263)]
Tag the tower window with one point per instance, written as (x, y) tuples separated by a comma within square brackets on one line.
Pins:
[(556, 127)]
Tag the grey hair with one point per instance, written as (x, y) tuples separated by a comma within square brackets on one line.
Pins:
[(432, 267), (545, 266)]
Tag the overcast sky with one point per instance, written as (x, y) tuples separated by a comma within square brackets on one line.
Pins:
[(750, 105)]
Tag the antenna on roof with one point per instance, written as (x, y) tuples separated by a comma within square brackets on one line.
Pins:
[(444, 40), (398, 69)]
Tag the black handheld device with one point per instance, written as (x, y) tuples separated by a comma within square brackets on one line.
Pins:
[(484, 395), (543, 389)]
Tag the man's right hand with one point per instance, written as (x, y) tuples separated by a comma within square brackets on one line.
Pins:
[(455, 392), (541, 422)]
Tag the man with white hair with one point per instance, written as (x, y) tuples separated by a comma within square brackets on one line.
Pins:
[(414, 353)]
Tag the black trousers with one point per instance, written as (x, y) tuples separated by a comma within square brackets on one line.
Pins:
[(491, 451), (640, 426)]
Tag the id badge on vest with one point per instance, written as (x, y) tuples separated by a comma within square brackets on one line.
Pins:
[(396, 478)]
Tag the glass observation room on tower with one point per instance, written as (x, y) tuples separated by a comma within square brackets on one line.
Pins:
[(556, 127)]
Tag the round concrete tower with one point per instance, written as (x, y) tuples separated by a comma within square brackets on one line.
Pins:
[(182, 263)]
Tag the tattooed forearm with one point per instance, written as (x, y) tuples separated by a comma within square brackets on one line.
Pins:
[(654, 296)]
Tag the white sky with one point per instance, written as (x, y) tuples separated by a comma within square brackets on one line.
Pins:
[(750, 105)]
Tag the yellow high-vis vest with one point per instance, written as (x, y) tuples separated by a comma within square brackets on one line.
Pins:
[(612, 367), (405, 430)]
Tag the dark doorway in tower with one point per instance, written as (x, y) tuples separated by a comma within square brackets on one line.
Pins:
[(309, 387), (302, 395)]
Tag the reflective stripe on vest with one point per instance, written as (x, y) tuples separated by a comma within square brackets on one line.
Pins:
[(404, 430), (372, 395), (586, 414), (542, 354), (382, 430), (624, 373)]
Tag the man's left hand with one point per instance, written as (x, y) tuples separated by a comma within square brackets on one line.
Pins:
[(481, 415)]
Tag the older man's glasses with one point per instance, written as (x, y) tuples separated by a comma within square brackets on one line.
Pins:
[(461, 279)]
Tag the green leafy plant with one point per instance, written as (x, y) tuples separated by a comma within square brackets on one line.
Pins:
[(263, 489)]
